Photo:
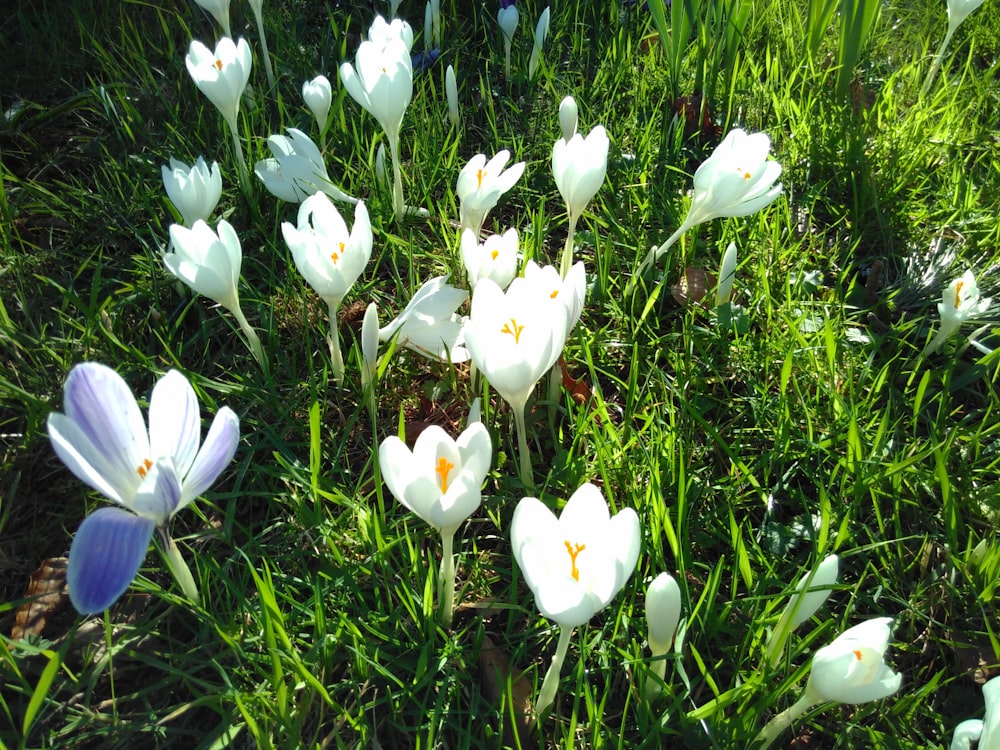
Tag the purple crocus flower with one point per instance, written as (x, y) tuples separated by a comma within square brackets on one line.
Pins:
[(151, 474)]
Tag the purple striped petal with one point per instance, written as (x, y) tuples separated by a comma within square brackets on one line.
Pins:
[(101, 437), (215, 454), (106, 553), (174, 421)]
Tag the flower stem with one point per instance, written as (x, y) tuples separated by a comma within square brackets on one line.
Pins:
[(658, 669), (782, 721), (548, 692), (446, 578), (179, 569), (567, 255), (937, 59), (336, 357), (524, 453), (240, 160), (263, 46), (398, 208), (506, 67), (253, 340), (654, 255)]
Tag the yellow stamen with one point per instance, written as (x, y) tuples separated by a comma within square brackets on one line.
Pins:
[(857, 654), (336, 256), (218, 64), (494, 254), (516, 332), (480, 174), (746, 175), (443, 467), (958, 293), (574, 550), (144, 468), (555, 293)]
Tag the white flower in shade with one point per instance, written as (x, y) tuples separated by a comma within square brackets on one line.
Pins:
[(960, 301), (150, 474), (579, 166), (966, 733), (850, 670), (382, 32), (727, 275), (451, 91), (569, 292), (207, 261), (318, 96), (296, 171), (480, 185), (429, 325), (369, 345), (328, 256), (441, 481), (222, 74), (810, 593), (568, 115), (495, 258), (194, 190), (574, 564), (663, 612), (220, 12), (507, 18), (985, 731), (958, 11), (736, 180), (541, 31)]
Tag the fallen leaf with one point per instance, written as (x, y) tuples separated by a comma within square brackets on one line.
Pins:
[(47, 594), (499, 685), (693, 286), (579, 391)]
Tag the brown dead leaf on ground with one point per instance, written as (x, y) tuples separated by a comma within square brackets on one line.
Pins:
[(693, 286), (47, 593), (579, 391), (499, 685)]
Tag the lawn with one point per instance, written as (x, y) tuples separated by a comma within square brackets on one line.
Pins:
[(813, 413)]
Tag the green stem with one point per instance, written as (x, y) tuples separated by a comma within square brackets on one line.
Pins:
[(446, 578), (253, 340), (398, 207), (240, 160), (937, 59), (782, 721), (506, 67), (263, 46), (178, 568), (567, 255), (658, 669), (524, 453), (551, 682), (336, 356)]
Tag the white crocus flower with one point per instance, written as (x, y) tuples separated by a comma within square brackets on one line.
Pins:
[(329, 258), (451, 91), (381, 81), (507, 19), (958, 11), (296, 170), (541, 31), (480, 185), (727, 275), (495, 258), (568, 115), (569, 292), (209, 262), (149, 474), (514, 338), (222, 75), (579, 166), (195, 191), (736, 180), (429, 325), (810, 593), (318, 96), (220, 12), (850, 670), (663, 613), (440, 481), (574, 565), (960, 301)]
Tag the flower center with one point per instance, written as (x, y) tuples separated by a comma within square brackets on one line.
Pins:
[(555, 293), (143, 468), (444, 466), (958, 293), (494, 254), (515, 331), (218, 64), (335, 257), (480, 174), (574, 550), (857, 654)]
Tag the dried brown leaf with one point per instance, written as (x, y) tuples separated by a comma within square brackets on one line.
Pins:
[(47, 594), (499, 685)]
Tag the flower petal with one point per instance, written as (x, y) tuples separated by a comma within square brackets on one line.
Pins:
[(159, 494), (174, 424), (215, 454), (106, 553)]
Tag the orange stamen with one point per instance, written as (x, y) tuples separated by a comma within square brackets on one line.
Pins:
[(574, 550), (555, 293), (218, 64), (144, 468), (443, 467), (516, 332), (958, 293), (857, 654), (494, 254), (480, 174)]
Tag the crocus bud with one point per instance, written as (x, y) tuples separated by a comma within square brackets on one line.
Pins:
[(369, 345), (451, 89), (380, 173), (318, 96), (568, 112), (663, 612), (727, 273), (811, 592), (541, 31), (428, 27)]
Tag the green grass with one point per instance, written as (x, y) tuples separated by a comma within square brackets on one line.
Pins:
[(318, 628)]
